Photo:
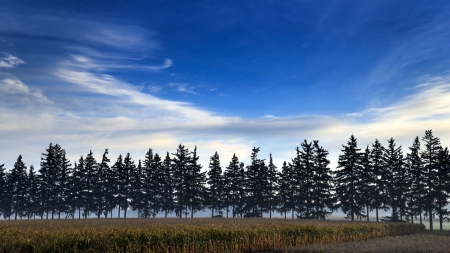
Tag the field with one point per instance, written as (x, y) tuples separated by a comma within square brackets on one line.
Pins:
[(423, 242), (190, 235)]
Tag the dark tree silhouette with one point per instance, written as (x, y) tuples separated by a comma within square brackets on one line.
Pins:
[(272, 186), (442, 185), (99, 199), (216, 184), (18, 188), (88, 183), (430, 160), (348, 186), (256, 183), (417, 181), (180, 167), (324, 199), (32, 197), (167, 186), (287, 190), (378, 170), (196, 191), (4, 189)]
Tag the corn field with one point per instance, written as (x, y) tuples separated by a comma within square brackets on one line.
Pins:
[(193, 236)]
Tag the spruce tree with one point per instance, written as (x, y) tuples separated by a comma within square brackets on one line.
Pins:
[(418, 180), (442, 185), (61, 179), (196, 193), (430, 161), (346, 177), (273, 187), (125, 177), (18, 188), (367, 182), (136, 189), (150, 185), (99, 189), (3, 188), (180, 167), (234, 184), (120, 181), (111, 187), (32, 190), (215, 182), (378, 170), (287, 190), (324, 199), (90, 170), (256, 183), (167, 185), (392, 159)]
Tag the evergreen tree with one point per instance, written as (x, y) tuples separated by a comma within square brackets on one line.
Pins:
[(62, 170), (120, 181), (88, 184), (430, 161), (167, 187), (111, 186), (196, 185), (418, 180), (32, 197), (47, 177), (125, 177), (136, 187), (305, 168), (392, 160), (77, 187), (216, 184), (256, 183), (3, 189), (287, 190), (18, 188), (346, 177), (234, 186), (272, 189), (150, 185), (324, 200), (367, 182), (99, 190), (378, 170), (442, 185), (180, 167)]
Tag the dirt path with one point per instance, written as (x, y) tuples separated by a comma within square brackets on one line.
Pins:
[(424, 242)]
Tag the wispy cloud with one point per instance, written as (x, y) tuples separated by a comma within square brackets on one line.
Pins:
[(14, 92), (9, 61), (183, 88), (167, 63)]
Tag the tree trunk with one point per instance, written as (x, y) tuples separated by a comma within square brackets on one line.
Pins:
[(431, 219)]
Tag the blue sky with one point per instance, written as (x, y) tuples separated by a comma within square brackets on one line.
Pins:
[(222, 75)]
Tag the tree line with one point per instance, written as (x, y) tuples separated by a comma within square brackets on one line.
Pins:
[(375, 178)]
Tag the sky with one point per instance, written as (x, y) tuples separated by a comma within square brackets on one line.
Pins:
[(221, 76)]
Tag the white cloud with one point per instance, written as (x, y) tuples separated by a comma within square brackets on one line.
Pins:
[(183, 88), (167, 63), (12, 90), (9, 61)]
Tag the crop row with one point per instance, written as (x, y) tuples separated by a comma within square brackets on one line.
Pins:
[(197, 235)]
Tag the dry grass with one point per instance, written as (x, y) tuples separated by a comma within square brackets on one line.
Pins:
[(192, 235), (424, 242)]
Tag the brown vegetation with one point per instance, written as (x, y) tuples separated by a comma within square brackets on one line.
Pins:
[(193, 235), (424, 242)]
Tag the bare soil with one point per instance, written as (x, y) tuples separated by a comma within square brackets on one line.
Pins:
[(428, 241)]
